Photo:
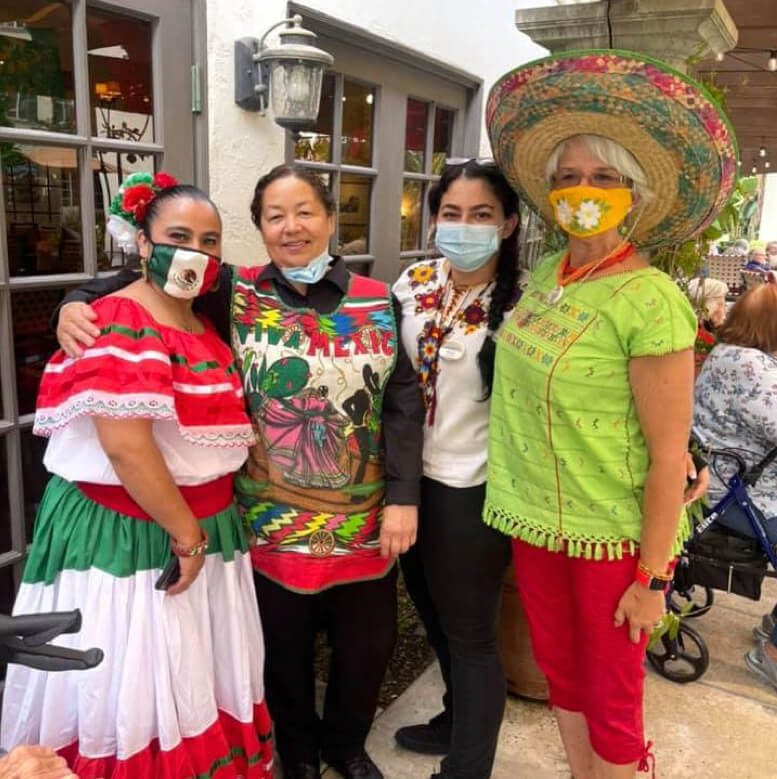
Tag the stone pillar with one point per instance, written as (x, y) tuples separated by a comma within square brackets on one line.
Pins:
[(670, 30)]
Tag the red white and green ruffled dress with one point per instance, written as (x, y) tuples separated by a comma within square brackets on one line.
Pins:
[(179, 693)]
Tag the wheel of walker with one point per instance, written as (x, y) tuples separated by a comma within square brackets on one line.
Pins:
[(682, 659), (692, 602)]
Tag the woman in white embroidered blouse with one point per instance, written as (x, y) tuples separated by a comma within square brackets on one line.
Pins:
[(451, 308)]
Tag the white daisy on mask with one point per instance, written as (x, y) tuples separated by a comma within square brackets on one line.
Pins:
[(563, 213), (589, 214)]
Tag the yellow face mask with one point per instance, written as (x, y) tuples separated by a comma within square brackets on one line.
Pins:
[(585, 211)]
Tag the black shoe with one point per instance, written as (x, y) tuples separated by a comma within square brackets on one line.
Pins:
[(301, 771), (359, 767), (433, 738)]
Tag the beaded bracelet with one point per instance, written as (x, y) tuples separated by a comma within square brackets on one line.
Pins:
[(195, 550)]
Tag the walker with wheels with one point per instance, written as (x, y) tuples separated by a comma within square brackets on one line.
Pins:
[(733, 548)]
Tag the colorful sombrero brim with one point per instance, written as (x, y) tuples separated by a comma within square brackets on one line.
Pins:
[(669, 122)]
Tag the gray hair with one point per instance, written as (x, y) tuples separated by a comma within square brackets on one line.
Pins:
[(702, 290), (610, 153)]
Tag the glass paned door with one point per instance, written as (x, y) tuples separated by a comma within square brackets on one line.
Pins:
[(89, 92)]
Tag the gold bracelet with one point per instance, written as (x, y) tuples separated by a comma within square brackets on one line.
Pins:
[(664, 577), (195, 550)]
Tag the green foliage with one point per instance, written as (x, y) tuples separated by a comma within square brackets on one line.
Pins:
[(686, 259)]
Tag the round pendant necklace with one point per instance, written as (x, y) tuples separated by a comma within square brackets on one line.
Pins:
[(566, 274)]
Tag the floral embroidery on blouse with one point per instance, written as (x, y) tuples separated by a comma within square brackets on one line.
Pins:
[(422, 273)]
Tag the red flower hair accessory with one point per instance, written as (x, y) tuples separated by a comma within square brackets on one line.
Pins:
[(130, 204)]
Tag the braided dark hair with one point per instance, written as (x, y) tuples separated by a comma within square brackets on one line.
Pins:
[(507, 264)]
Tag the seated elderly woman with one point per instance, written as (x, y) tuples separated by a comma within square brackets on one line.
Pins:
[(735, 402), (709, 299), (756, 258)]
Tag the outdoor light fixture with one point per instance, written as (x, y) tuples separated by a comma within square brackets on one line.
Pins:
[(754, 170), (771, 63), (767, 164), (288, 76), (762, 151)]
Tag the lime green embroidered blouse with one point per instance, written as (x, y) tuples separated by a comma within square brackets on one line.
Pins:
[(567, 459)]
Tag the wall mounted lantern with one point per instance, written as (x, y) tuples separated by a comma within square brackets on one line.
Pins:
[(288, 75)]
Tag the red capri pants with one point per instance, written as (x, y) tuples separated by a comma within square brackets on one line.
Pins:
[(591, 666)]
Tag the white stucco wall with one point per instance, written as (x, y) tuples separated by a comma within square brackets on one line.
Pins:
[(480, 38)]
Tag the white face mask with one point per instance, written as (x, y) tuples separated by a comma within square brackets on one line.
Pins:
[(311, 273), (467, 247)]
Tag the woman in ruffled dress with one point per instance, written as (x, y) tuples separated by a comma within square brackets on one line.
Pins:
[(145, 431)]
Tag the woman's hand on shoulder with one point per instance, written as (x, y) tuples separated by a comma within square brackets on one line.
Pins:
[(77, 328)]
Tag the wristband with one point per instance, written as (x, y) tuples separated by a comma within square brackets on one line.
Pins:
[(195, 550), (652, 581)]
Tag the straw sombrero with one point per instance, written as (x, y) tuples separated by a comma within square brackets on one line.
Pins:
[(669, 122)]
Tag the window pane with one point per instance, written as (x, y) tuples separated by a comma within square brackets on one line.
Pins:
[(316, 144), (7, 597), (415, 135), (411, 209), (358, 107), (36, 66), (109, 169), (443, 135), (42, 209), (120, 85), (34, 476), (34, 341), (354, 214), (5, 507)]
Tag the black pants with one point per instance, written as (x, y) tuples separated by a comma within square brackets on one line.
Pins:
[(454, 576), (360, 620)]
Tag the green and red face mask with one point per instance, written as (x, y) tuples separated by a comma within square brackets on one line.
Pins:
[(181, 272)]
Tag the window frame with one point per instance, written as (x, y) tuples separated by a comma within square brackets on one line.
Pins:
[(184, 149)]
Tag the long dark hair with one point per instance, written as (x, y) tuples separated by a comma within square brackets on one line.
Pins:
[(298, 172), (507, 264), (179, 190)]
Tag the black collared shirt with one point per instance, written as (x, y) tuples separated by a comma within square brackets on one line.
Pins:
[(403, 413)]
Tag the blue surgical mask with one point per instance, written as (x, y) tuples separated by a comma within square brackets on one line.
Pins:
[(467, 247), (311, 273)]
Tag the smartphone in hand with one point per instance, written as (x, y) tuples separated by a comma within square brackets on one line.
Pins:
[(170, 575)]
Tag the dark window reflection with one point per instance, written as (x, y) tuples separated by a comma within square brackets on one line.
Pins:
[(120, 83), (42, 209), (443, 137), (411, 210), (34, 341), (354, 214), (34, 476), (109, 169), (415, 135), (5, 508), (358, 108), (316, 145), (36, 66)]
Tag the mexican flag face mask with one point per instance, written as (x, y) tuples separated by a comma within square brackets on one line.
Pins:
[(182, 273)]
